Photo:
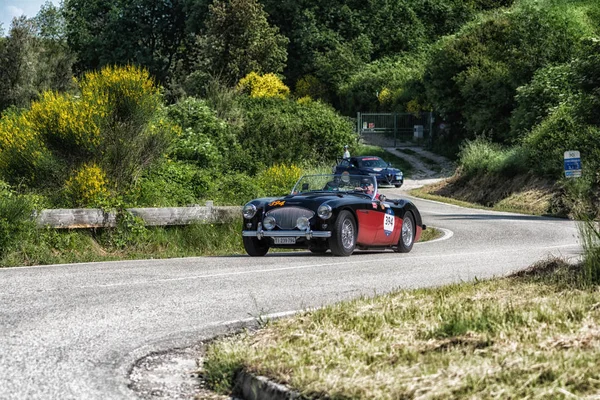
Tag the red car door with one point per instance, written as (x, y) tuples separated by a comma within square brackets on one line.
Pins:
[(378, 226), (389, 230)]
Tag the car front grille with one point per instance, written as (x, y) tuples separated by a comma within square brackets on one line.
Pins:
[(286, 217)]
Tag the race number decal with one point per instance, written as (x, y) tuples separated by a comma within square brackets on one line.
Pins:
[(388, 222)]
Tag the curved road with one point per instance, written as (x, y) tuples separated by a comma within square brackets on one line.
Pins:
[(74, 331)]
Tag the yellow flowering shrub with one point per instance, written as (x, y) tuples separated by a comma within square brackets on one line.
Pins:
[(69, 122), (279, 179), (21, 147), (117, 120), (385, 96), (414, 107), (267, 85), (88, 186), (120, 91)]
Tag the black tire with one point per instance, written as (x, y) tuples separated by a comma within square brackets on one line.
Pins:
[(343, 240), (407, 234), (397, 186), (255, 247)]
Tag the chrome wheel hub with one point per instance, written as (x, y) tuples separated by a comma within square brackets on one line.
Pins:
[(347, 234), (407, 232)]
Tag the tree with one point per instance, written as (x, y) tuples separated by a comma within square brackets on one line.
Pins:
[(55, 59), (17, 64), (117, 32), (239, 40), (34, 58)]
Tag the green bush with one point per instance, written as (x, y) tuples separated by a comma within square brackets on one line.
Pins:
[(234, 189), (472, 77), (360, 92), (15, 213), (564, 130), (170, 184), (278, 131), (206, 140), (481, 156), (550, 87)]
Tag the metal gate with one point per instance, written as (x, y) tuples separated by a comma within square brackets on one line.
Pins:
[(399, 126)]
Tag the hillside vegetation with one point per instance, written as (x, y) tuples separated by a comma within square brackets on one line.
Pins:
[(117, 103)]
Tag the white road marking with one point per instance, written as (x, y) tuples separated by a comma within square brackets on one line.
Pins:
[(307, 266)]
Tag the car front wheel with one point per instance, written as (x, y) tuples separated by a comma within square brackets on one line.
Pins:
[(407, 234), (255, 247), (343, 240)]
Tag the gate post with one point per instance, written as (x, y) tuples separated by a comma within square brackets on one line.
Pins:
[(358, 124)]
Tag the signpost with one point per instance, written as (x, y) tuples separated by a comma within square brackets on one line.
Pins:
[(572, 164)]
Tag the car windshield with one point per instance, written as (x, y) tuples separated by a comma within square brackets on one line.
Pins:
[(372, 162), (338, 183)]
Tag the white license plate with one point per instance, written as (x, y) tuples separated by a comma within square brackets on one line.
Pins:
[(285, 240)]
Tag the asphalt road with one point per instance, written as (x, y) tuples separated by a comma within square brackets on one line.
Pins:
[(74, 331)]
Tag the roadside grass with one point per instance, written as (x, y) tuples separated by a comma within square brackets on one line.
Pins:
[(535, 334), (53, 246), (430, 233), (50, 246), (397, 162)]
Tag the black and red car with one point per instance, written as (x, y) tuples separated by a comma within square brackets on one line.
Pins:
[(337, 212)]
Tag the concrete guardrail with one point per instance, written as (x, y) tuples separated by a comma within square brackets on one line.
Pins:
[(96, 218)]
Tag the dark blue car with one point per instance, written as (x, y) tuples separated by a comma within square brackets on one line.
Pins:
[(371, 166)]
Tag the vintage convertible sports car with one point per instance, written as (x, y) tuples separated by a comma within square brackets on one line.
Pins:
[(337, 212), (371, 166)]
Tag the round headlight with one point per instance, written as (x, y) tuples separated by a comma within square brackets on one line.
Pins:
[(302, 223), (249, 211), (324, 211), (269, 222)]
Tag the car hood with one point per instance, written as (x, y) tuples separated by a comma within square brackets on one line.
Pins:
[(385, 171), (312, 200)]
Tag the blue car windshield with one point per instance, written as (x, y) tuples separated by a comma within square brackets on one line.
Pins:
[(372, 162), (336, 183)]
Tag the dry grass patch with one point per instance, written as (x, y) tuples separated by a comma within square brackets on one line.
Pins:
[(531, 335), (523, 194)]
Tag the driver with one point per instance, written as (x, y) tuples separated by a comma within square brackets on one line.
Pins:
[(367, 187)]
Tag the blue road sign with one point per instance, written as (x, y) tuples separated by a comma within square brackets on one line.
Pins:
[(572, 164)]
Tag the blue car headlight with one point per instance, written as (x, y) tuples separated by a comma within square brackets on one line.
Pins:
[(302, 223), (324, 211), (269, 222), (249, 211)]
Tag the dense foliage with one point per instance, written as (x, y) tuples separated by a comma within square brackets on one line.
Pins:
[(180, 101)]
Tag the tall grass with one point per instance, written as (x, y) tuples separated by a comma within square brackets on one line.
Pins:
[(129, 241), (590, 235), (14, 217), (481, 156)]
